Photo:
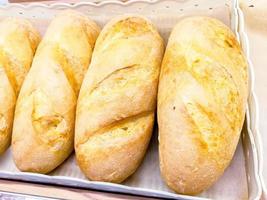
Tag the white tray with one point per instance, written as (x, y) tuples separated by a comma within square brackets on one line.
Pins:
[(240, 180)]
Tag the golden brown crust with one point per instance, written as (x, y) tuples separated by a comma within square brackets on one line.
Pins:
[(115, 110), (18, 42), (44, 117), (201, 103)]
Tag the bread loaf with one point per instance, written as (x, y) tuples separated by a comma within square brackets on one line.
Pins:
[(116, 104), (201, 103), (43, 133), (18, 41)]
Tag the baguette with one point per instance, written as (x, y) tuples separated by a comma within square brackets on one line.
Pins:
[(202, 98), (43, 131), (18, 42), (116, 104)]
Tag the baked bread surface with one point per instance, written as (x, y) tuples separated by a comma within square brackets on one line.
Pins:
[(18, 42), (43, 132), (202, 98), (116, 104)]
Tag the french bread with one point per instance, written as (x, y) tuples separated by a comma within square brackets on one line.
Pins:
[(116, 104), (202, 96), (43, 132), (18, 42)]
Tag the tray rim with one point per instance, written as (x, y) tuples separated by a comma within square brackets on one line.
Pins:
[(78, 4), (253, 97), (238, 29), (108, 187)]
